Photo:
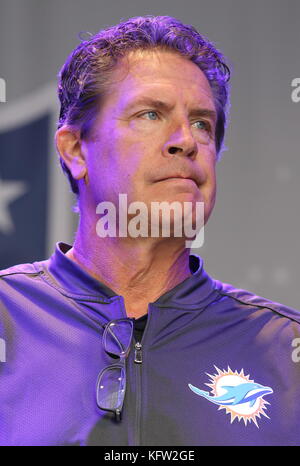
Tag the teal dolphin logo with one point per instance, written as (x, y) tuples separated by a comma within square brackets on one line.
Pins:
[(233, 391), (235, 395)]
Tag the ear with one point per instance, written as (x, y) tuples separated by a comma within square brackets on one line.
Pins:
[(68, 144)]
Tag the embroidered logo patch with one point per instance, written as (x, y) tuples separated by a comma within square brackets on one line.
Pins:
[(241, 397)]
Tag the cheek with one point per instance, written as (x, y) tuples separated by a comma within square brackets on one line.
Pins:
[(207, 161), (131, 153), (209, 167), (212, 186), (116, 163)]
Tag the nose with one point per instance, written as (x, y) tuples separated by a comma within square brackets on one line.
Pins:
[(181, 141)]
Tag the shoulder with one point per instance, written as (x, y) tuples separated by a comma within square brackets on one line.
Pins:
[(20, 279), (21, 287), (19, 273), (249, 301), (19, 269)]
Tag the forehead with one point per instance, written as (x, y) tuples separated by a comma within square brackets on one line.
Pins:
[(159, 73)]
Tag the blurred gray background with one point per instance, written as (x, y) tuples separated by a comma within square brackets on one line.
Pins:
[(251, 240)]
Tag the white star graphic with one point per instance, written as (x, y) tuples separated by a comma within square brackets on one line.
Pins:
[(9, 191)]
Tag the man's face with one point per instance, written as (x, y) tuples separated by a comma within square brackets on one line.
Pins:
[(156, 125)]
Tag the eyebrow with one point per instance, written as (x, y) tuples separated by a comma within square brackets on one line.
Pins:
[(159, 104)]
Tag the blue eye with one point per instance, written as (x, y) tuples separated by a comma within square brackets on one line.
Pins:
[(151, 113), (203, 124)]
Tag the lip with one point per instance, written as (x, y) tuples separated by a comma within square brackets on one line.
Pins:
[(178, 177)]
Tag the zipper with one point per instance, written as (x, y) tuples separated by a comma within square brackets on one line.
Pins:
[(138, 372), (138, 365)]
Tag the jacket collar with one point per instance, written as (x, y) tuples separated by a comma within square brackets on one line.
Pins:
[(195, 291)]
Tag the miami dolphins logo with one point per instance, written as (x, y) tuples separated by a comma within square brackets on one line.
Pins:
[(241, 397)]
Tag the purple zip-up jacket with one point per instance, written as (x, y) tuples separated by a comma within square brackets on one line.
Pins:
[(219, 364)]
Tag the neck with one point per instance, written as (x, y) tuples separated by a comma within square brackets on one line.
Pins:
[(139, 269)]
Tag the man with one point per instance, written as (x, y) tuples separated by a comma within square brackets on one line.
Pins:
[(124, 339)]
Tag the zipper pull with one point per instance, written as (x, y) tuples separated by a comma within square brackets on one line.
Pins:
[(118, 414), (138, 353)]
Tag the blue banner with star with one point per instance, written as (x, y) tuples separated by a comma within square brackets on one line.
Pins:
[(24, 158)]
